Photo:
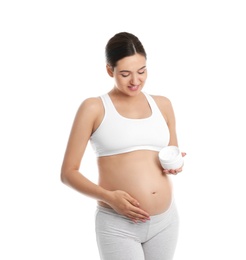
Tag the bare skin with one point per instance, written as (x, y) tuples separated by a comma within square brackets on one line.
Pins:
[(133, 184), (140, 175)]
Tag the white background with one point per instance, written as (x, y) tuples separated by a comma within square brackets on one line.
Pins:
[(52, 58)]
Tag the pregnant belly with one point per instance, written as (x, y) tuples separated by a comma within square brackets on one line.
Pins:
[(152, 189), (154, 199)]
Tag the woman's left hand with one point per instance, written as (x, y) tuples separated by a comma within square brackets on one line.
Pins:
[(175, 171)]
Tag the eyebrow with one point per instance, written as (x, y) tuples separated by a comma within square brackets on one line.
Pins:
[(129, 71)]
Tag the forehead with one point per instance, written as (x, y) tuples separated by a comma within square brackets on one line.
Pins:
[(133, 62)]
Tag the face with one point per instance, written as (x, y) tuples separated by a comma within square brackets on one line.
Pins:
[(130, 74)]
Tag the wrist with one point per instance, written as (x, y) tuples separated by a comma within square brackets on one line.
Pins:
[(106, 196)]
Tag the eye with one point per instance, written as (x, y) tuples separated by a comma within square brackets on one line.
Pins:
[(141, 72), (125, 75)]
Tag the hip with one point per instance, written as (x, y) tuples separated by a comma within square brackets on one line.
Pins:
[(107, 221)]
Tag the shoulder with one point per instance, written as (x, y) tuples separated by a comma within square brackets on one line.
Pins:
[(91, 105), (162, 101), (166, 108), (89, 109)]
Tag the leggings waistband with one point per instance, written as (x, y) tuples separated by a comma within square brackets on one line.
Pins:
[(152, 217)]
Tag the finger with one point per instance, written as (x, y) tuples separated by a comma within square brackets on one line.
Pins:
[(178, 171), (133, 201), (139, 214), (175, 172), (136, 220), (136, 217)]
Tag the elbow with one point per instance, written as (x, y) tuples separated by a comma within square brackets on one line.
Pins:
[(62, 179), (67, 175), (63, 176)]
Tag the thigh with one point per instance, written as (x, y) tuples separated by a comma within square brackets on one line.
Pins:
[(116, 237), (117, 248), (162, 243)]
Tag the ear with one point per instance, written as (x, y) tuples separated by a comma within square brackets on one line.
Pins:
[(110, 70)]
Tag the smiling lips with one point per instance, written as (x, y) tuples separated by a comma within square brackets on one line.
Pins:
[(134, 88)]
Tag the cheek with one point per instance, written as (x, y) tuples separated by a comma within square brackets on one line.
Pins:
[(121, 80), (143, 77)]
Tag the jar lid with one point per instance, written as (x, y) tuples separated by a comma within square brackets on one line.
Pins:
[(169, 154)]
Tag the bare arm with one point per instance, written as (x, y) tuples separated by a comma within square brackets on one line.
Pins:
[(166, 108), (82, 128), (87, 119)]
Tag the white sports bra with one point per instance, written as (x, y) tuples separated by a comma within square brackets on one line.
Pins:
[(117, 134)]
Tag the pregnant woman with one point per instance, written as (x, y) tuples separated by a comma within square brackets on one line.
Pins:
[(136, 217)]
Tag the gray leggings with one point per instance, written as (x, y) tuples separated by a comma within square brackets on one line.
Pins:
[(119, 238)]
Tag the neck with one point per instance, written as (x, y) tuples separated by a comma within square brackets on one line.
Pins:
[(115, 92)]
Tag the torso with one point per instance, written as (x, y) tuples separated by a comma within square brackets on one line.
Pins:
[(138, 173)]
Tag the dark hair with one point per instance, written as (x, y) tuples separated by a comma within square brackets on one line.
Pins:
[(122, 45)]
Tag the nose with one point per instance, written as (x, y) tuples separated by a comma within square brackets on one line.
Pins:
[(135, 80)]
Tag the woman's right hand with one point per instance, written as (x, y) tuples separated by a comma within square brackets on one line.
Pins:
[(126, 205)]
